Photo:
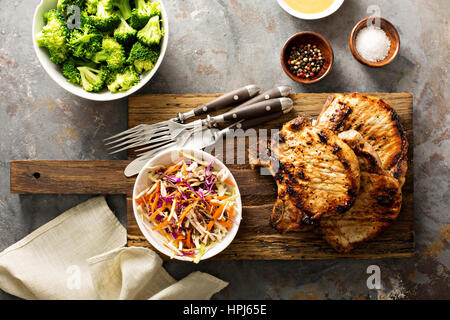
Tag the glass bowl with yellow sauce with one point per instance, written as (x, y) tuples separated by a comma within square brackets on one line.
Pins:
[(310, 9)]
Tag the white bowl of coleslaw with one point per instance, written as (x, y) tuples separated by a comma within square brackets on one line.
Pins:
[(187, 204)]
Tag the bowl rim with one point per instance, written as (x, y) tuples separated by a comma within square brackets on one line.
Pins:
[(285, 47), (379, 64), (99, 96), (311, 16), (218, 247)]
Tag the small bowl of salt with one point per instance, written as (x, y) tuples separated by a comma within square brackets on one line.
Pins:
[(374, 42)]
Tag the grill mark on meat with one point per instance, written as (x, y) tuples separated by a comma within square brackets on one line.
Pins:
[(301, 175), (385, 200), (323, 136), (336, 149), (342, 209), (342, 121), (377, 204), (376, 120), (352, 192)]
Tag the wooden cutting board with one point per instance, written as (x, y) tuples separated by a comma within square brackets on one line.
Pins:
[(256, 240)]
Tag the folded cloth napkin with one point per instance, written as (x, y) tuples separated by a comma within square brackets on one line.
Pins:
[(81, 255)]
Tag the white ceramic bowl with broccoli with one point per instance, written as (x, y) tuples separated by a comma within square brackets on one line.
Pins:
[(110, 51)]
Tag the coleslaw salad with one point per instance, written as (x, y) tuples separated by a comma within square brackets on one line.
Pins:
[(191, 203)]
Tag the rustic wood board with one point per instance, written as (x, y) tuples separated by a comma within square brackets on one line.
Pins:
[(256, 240)]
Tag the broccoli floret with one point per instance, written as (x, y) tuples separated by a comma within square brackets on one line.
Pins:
[(70, 71), (54, 36), (91, 6), (143, 12), (124, 7), (85, 42), (105, 19), (62, 5), (112, 52), (143, 57), (152, 33), (92, 80), (122, 80), (125, 34)]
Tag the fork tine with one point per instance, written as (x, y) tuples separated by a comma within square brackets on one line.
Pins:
[(147, 136), (141, 142), (130, 141), (132, 130), (140, 129), (129, 136)]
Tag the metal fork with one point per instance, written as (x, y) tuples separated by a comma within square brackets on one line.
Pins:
[(168, 132), (131, 137), (181, 133)]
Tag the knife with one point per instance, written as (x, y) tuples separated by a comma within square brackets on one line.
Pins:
[(277, 92), (202, 137)]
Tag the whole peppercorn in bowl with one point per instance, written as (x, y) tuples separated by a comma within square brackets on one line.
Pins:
[(307, 57)]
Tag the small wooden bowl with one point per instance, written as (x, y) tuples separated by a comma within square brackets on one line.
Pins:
[(391, 33), (314, 39)]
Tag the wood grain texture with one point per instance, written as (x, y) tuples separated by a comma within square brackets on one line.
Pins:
[(255, 239), (69, 177)]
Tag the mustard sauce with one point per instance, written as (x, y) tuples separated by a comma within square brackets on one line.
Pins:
[(309, 6)]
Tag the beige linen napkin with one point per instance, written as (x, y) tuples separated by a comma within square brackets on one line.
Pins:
[(81, 255)]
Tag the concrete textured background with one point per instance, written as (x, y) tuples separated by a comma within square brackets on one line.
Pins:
[(217, 46)]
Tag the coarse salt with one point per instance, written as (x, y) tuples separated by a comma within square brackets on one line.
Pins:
[(372, 44)]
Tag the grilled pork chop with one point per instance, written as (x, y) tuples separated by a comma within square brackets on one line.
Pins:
[(377, 122), (316, 173), (377, 205)]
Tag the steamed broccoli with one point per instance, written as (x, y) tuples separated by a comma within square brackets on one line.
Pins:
[(123, 79), (92, 80), (143, 57), (125, 34), (105, 19), (70, 71), (91, 6), (62, 5), (143, 12), (54, 36), (112, 52), (85, 42), (124, 7), (152, 33)]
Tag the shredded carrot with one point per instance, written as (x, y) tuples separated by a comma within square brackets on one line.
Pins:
[(188, 239), (161, 225), (194, 196), (219, 211), (185, 212), (154, 214), (175, 168), (210, 225), (155, 203), (230, 212), (229, 182), (227, 224)]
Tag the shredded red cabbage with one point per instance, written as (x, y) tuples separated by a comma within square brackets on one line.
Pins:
[(167, 199)]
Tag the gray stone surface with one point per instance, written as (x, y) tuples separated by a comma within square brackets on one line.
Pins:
[(221, 45)]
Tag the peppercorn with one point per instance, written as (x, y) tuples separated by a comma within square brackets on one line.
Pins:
[(305, 60)]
